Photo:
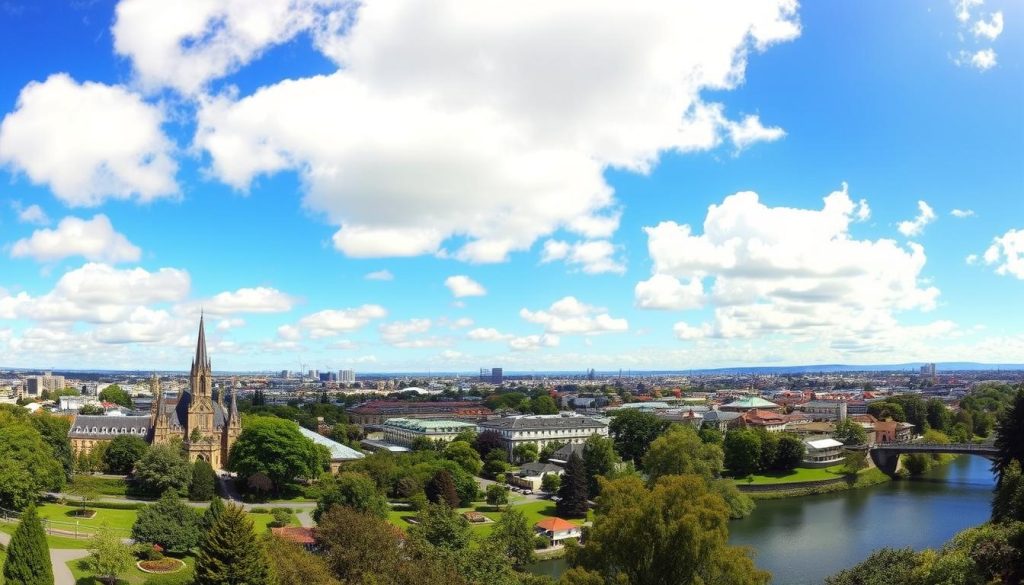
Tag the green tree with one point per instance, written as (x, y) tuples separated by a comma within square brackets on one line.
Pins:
[(884, 409), (465, 455), (95, 409), (108, 556), (633, 431), (680, 451), (210, 514), (117, 395), (442, 527), (674, 533), (28, 556), (230, 554), (551, 482), (1008, 503), (362, 548), (170, 522), (850, 432), (497, 495), (854, 461), (514, 537), (496, 462), (355, 490), (275, 447), (543, 404), (789, 452), (54, 432), (549, 449), (163, 468), (27, 462), (124, 452), (441, 489), (742, 452), (599, 459), (740, 505), (938, 416), (885, 566), (524, 453), (573, 492), (204, 482), (710, 434), (1010, 435), (486, 442), (293, 565)]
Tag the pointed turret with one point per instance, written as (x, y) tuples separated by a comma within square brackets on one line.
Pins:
[(233, 418)]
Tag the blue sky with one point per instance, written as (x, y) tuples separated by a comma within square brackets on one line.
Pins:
[(535, 185)]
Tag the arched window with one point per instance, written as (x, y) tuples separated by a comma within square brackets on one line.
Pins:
[(95, 430), (124, 430)]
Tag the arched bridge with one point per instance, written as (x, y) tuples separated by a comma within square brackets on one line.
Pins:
[(886, 456)]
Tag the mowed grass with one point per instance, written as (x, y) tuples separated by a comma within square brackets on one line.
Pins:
[(119, 520), (104, 486), (133, 576), (798, 475), (535, 511)]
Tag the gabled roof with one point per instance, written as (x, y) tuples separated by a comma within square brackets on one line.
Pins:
[(296, 534), (556, 525), (537, 468)]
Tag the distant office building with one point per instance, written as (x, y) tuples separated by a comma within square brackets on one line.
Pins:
[(826, 409), (347, 376), (497, 376), (35, 385), (314, 374), (928, 371), (328, 377), (285, 374)]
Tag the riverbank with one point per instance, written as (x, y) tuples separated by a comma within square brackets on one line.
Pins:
[(868, 477)]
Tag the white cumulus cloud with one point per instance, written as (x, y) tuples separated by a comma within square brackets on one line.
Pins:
[(464, 286), (990, 29), (962, 213), (914, 227), (32, 214), (492, 123), (593, 257), (88, 142), (331, 322), (570, 316), (258, 299), (779, 270), (93, 239), (380, 275), (1007, 253)]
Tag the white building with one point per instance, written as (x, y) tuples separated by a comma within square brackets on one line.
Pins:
[(346, 376), (543, 429), (823, 453), (406, 431)]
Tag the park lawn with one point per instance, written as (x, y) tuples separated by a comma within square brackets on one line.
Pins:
[(133, 577), (51, 541), (797, 475), (534, 511), (260, 521), (3, 555), (59, 514), (105, 486)]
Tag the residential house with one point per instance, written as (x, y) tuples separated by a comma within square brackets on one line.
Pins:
[(531, 475), (890, 431), (557, 530), (772, 422)]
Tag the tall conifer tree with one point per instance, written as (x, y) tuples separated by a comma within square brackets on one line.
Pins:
[(28, 555), (230, 554), (573, 493)]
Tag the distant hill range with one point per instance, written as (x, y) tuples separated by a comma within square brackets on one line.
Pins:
[(912, 367)]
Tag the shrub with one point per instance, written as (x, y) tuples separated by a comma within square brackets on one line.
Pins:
[(540, 542)]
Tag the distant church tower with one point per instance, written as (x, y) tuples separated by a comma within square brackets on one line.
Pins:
[(210, 429)]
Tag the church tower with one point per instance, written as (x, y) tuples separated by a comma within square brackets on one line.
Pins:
[(200, 432)]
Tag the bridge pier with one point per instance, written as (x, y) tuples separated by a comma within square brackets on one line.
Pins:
[(886, 460)]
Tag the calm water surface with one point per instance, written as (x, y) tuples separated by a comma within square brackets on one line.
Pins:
[(803, 540)]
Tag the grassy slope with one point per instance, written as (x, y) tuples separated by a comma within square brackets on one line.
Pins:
[(800, 474)]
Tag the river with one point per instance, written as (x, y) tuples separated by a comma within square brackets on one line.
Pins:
[(803, 540)]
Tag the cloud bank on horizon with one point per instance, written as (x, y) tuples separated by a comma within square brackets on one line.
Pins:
[(435, 185)]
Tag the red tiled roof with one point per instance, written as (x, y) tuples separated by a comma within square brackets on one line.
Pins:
[(296, 534), (763, 417), (556, 525)]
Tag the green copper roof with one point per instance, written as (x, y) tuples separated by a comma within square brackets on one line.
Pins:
[(752, 402)]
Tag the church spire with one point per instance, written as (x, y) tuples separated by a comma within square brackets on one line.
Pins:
[(201, 361)]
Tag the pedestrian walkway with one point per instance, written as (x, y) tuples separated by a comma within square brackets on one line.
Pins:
[(59, 558)]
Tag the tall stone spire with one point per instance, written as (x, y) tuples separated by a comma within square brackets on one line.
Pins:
[(202, 360), (234, 419), (202, 375)]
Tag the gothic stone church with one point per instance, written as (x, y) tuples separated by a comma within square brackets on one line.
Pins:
[(206, 427)]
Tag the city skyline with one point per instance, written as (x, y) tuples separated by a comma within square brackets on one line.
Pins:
[(399, 190)]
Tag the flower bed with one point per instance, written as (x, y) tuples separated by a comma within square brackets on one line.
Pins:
[(165, 565), (82, 513)]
